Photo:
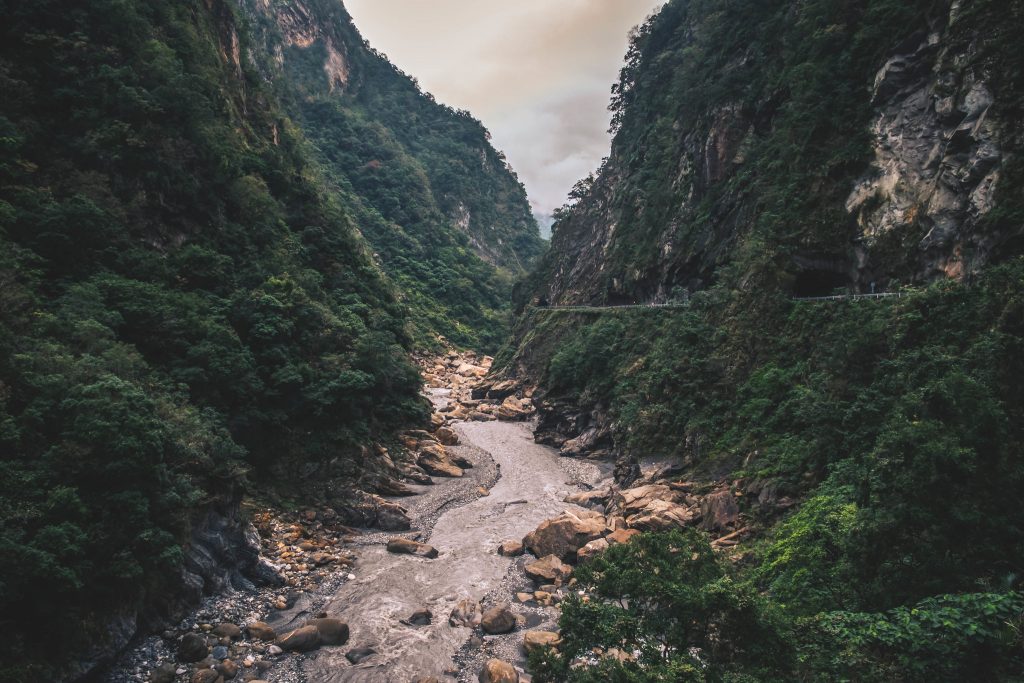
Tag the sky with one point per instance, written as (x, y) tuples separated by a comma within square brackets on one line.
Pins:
[(538, 73)]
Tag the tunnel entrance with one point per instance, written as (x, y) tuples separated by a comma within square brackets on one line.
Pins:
[(820, 282)]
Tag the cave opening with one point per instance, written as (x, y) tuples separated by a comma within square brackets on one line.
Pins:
[(820, 282)]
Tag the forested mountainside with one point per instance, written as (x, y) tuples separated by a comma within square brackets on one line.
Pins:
[(446, 215), (188, 302), (766, 151)]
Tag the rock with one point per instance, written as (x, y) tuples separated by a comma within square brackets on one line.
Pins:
[(719, 511), (467, 370), (499, 619), (543, 598), (165, 673), (206, 676), (477, 416), (497, 671), (228, 669), (592, 549), (588, 499), (621, 536), (437, 422), (192, 648), (438, 466), (548, 569), (502, 390), (227, 630), (511, 549), (404, 546), (421, 617), (332, 631), (513, 408), (427, 679), (303, 639), (359, 654), (537, 640), (524, 597), (461, 461), (447, 436), (275, 651), (220, 652), (564, 535), (466, 613), (661, 515), (631, 501)]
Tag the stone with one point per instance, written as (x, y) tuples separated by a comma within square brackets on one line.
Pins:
[(447, 436), (438, 466), (539, 640), (592, 549), (461, 461), (499, 619), (511, 549), (421, 617), (621, 536), (524, 597), (548, 569), (227, 630), (192, 648), (303, 639), (165, 673), (497, 671), (468, 370), (404, 546), (205, 676), (564, 535), (261, 630), (719, 511), (220, 652), (275, 651), (465, 613), (359, 654), (661, 515), (332, 631), (228, 669), (631, 501), (588, 499)]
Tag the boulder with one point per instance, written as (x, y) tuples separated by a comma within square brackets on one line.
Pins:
[(564, 535), (165, 673), (303, 639), (631, 501), (227, 630), (497, 671), (192, 648), (511, 549), (499, 619), (447, 436), (548, 569), (719, 511), (661, 515), (468, 370), (621, 536), (461, 461), (466, 613), (228, 669), (421, 617), (588, 499), (359, 654), (592, 549), (206, 676), (502, 389), (437, 465), (404, 546), (261, 630), (538, 640), (332, 631)]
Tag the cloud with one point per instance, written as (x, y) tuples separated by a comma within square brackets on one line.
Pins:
[(536, 72)]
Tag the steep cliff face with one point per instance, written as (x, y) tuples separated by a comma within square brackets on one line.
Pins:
[(858, 144), (446, 215)]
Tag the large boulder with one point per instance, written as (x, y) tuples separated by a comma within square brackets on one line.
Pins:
[(631, 501), (719, 511), (498, 619), (513, 408), (497, 671), (405, 546), (622, 536), (588, 499), (438, 465), (661, 515), (192, 648), (332, 631), (303, 639), (564, 535), (547, 570), (466, 613), (510, 549), (447, 436), (592, 549), (540, 640)]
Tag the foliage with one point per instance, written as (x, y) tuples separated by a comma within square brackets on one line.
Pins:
[(663, 608)]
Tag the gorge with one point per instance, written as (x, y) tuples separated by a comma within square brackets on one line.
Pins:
[(292, 389)]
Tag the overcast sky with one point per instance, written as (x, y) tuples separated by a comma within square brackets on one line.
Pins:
[(538, 73)]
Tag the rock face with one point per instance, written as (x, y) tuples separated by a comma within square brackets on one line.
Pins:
[(564, 535), (719, 511), (403, 546)]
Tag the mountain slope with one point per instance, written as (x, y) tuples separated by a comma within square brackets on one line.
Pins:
[(772, 150), (444, 212)]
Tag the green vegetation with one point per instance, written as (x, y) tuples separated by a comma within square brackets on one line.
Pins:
[(445, 214)]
